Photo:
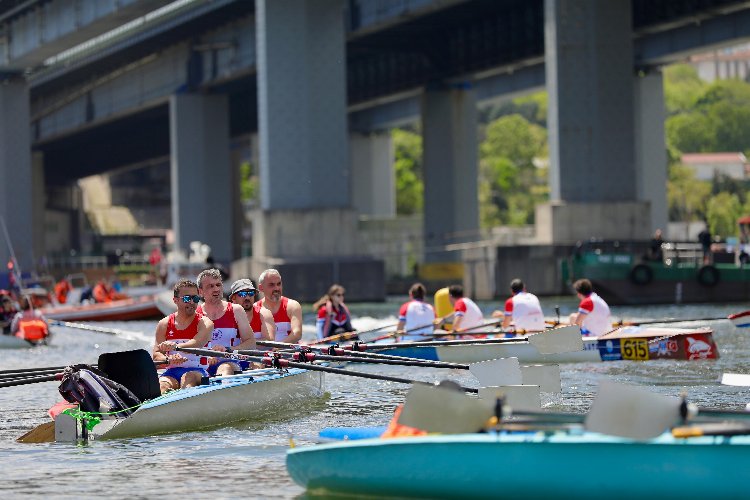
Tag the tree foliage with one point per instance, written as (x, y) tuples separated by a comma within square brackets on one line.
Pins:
[(722, 212), (407, 147)]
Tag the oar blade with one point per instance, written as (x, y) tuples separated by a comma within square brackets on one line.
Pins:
[(444, 410), (547, 377), (631, 412), (518, 397), (43, 433), (564, 339), (736, 379), (370, 336), (503, 371)]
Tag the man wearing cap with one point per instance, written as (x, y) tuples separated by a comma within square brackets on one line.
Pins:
[(231, 327), (261, 320), (287, 313)]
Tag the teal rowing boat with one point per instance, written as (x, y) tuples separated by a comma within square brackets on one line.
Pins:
[(528, 465)]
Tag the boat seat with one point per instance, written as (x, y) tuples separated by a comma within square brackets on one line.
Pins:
[(133, 369)]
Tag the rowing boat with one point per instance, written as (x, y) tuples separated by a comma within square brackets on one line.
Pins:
[(637, 343), (144, 307), (220, 401), (526, 465)]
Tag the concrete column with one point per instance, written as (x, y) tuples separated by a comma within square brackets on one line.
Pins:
[(304, 161), (650, 146), (373, 176), (202, 176), (38, 206), (589, 73), (16, 193), (302, 127), (451, 207)]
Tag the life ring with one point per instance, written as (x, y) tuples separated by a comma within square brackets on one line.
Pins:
[(708, 276), (641, 274)]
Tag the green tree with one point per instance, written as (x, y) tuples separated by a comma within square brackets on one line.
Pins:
[(722, 212), (682, 88), (686, 195), (408, 166), (248, 182)]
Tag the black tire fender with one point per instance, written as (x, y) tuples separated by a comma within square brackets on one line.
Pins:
[(708, 276), (641, 274)]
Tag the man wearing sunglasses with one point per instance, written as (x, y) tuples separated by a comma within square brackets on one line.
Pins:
[(188, 329), (261, 320), (287, 313), (231, 328)]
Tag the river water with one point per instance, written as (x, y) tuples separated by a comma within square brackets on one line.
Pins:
[(248, 459)]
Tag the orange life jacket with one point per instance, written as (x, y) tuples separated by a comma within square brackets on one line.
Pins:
[(32, 329), (395, 429), (61, 291), (102, 293)]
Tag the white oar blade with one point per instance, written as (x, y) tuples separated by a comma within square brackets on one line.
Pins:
[(370, 336), (565, 339), (631, 412), (737, 379), (444, 410), (518, 397), (547, 377), (504, 371)]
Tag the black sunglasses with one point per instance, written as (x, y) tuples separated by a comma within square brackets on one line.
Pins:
[(246, 293), (187, 298)]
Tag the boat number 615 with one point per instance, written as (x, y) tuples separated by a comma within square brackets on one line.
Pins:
[(634, 349)]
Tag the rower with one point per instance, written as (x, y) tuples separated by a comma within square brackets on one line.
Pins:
[(287, 313), (243, 292), (231, 327), (415, 314), (187, 328), (465, 311), (593, 314), (522, 309)]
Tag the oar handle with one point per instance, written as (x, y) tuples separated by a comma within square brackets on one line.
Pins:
[(284, 363), (309, 357), (31, 380)]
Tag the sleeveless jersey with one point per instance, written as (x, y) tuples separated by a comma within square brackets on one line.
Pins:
[(415, 314), (226, 331), (472, 315), (182, 336), (526, 312), (255, 321), (597, 319), (282, 320)]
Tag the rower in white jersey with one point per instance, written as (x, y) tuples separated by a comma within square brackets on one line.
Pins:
[(593, 312), (415, 318), (231, 327), (523, 310), (466, 314), (287, 313)]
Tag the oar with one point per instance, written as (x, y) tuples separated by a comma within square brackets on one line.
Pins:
[(477, 327), (12, 376), (740, 320), (31, 380), (30, 370), (557, 340), (737, 379), (350, 335), (99, 329), (284, 363)]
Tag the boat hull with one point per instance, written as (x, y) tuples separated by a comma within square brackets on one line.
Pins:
[(627, 343), (144, 307), (525, 466), (247, 396)]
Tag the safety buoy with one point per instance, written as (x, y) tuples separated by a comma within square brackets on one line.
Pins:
[(708, 276), (641, 274)]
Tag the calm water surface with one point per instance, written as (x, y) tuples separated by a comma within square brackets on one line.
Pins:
[(248, 459)]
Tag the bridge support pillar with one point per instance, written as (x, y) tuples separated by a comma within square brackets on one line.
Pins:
[(650, 150), (203, 181), (373, 177), (591, 124), (16, 178), (302, 125), (451, 207)]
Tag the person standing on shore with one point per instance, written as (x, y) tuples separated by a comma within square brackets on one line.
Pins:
[(593, 314)]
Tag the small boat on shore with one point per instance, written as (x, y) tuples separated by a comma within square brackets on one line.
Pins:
[(636, 343), (525, 465)]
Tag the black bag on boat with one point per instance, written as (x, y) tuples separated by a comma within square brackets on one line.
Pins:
[(94, 392)]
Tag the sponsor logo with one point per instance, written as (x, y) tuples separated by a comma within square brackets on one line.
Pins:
[(697, 348), (216, 334)]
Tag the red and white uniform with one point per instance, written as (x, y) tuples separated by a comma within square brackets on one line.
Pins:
[(255, 322), (526, 312), (182, 336), (282, 320), (469, 311), (226, 332), (597, 320), (414, 314)]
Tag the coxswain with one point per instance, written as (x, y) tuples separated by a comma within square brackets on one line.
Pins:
[(466, 313), (334, 317), (187, 329), (522, 310), (231, 327), (243, 292), (593, 314), (287, 313), (416, 317)]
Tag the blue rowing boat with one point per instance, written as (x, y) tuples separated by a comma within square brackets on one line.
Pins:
[(529, 465)]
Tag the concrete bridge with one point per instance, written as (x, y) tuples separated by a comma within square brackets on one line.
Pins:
[(318, 83)]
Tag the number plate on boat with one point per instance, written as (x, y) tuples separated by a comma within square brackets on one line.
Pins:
[(635, 349)]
